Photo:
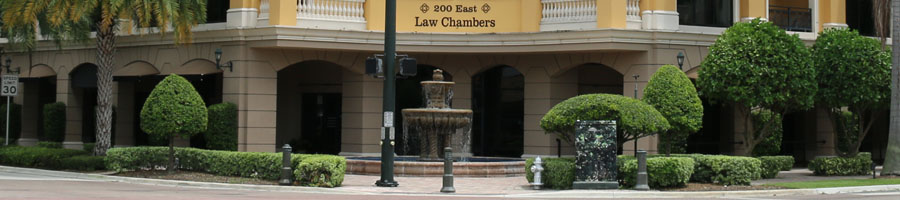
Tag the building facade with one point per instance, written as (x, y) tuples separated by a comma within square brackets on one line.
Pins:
[(298, 77)]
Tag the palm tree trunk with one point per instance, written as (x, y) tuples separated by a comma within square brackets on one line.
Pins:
[(892, 155), (106, 48)]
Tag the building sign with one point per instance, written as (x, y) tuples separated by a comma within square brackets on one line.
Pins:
[(459, 15)]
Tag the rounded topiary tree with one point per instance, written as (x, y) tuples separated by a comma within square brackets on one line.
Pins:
[(54, 122), (757, 65), (675, 97), (173, 109), (771, 145), (853, 73), (634, 119), (221, 134)]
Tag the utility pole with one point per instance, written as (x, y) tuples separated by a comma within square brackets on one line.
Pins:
[(387, 131)]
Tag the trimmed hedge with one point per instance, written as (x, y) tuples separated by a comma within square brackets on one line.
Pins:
[(771, 165), (662, 172), (38, 157), (556, 180), (726, 170), (84, 163), (54, 122), (321, 171), (50, 145), (329, 169), (89, 147), (861, 164), (221, 131)]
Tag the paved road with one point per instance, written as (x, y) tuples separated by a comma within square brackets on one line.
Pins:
[(27, 186)]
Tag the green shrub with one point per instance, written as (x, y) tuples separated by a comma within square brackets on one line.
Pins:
[(634, 118), (556, 180), (771, 165), (671, 92), (662, 172), (771, 145), (88, 146), (50, 145), (861, 164), (726, 170), (84, 163), (54, 122), (229, 163), (37, 157), (221, 133), (321, 171), (15, 122)]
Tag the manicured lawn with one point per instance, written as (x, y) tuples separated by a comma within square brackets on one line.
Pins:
[(838, 183)]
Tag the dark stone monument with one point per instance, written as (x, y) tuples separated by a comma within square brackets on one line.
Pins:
[(595, 161)]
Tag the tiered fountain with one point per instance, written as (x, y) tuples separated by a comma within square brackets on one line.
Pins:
[(436, 126), (437, 122)]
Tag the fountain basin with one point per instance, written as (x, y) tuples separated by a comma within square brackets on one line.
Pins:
[(408, 166)]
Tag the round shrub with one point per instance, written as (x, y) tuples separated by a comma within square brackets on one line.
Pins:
[(174, 109), (15, 122), (727, 170), (54, 122), (221, 133), (861, 164), (321, 171), (84, 163), (634, 119), (662, 172), (675, 97), (771, 165)]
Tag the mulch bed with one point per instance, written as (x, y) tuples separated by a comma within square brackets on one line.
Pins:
[(714, 187), (195, 176)]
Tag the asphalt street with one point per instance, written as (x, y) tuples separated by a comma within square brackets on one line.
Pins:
[(28, 186)]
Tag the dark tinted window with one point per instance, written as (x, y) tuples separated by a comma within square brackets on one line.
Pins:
[(859, 17), (716, 13), (216, 11)]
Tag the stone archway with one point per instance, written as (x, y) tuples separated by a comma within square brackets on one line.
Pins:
[(83, 82), (39, 89), (309, 107), (498, 102)]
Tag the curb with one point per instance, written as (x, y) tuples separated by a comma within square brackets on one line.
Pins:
[(547, 194)]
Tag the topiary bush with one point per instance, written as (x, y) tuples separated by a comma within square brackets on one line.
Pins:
[(221, 132), (557, 180), (321, 171), (771, 165), (54, 122), (757, 65), (634, 119), (726, 170), (675, 97), (38, 157), (84, 163), (861, 164), (854, 73), (173, 109), (662, 172), (772, 144), (50, 145), (15, 122)]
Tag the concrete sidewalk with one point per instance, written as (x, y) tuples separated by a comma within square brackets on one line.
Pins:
[(512, 187)]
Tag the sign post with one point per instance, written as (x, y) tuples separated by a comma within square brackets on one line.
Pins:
[(9, 88)]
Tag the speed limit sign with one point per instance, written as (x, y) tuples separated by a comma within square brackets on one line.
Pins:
[(10, 85)]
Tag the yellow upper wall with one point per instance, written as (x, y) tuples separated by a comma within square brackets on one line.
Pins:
[(475, 16), (244, 4)]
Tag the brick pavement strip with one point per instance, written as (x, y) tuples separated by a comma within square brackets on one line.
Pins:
[(509, 187)]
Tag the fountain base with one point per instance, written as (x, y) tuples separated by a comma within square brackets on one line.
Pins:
[(410, 167)]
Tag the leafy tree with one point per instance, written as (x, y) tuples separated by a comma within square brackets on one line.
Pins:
[(73, 20), (675, 97), (174, 108), (853, 73), (634, 119), (756, 65), (772, 144)]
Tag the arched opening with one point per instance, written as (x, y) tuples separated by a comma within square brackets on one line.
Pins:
[(40, 89), (597, 78), (498, 105), (84, 87), (309, 107), (409, 95)]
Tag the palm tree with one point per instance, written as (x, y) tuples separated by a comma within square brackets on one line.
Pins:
[(892, 155), (72, 20)]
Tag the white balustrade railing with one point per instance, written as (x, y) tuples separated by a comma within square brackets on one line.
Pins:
[(567, 11), (344, 10), (633, 10), (264, 9)]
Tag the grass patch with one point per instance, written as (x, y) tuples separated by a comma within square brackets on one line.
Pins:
[(837, 183)]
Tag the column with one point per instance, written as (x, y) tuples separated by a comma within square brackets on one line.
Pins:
[(242, 14), (66, 94), (832, 14), (658, 14), (752, 9), (361, 119), (542, 92), (531, 15), (124, 121), (253, 87), (283, 12)]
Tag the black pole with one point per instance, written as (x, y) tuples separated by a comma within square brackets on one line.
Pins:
[(390, 53), (558, 148)]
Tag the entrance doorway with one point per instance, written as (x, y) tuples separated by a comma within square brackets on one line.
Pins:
[(498, 105), (309, 107), (84, 86), (321, 123)]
